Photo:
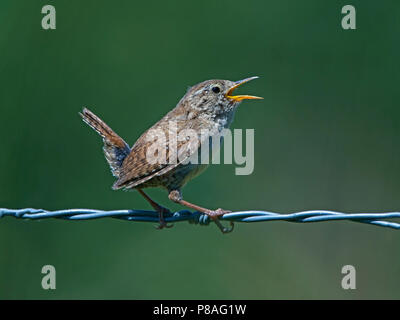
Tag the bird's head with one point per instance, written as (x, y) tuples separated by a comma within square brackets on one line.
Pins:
[(216, 98)]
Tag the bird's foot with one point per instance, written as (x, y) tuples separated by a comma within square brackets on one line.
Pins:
[(214, 214), (163, 224)]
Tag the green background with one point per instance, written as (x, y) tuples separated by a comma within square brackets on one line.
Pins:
[(326, 137)]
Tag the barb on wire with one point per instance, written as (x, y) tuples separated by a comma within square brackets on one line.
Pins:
[(378, 219)]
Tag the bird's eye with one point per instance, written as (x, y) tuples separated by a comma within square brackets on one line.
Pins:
[(216, 89)]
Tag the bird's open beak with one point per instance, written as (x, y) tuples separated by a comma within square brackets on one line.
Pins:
[(240, 97)]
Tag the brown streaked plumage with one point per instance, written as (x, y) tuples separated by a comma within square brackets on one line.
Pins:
[(209, 106)]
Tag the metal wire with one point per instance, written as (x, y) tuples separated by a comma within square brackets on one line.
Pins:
[(377, 219)]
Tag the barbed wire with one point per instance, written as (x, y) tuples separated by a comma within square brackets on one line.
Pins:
[(377, 219)]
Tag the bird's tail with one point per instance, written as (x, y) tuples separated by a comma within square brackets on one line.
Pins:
[(115, 148)]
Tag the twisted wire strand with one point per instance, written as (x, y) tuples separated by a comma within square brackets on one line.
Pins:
[(378, 219)]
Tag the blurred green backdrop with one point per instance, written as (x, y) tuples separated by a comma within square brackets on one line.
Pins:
[(326, 137)]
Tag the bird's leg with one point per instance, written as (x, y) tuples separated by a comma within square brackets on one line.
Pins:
[(160, 209), (176, 196)]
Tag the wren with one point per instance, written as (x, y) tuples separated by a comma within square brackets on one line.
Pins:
[(206, 107)]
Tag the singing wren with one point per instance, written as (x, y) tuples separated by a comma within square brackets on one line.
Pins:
[(206, 107)]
